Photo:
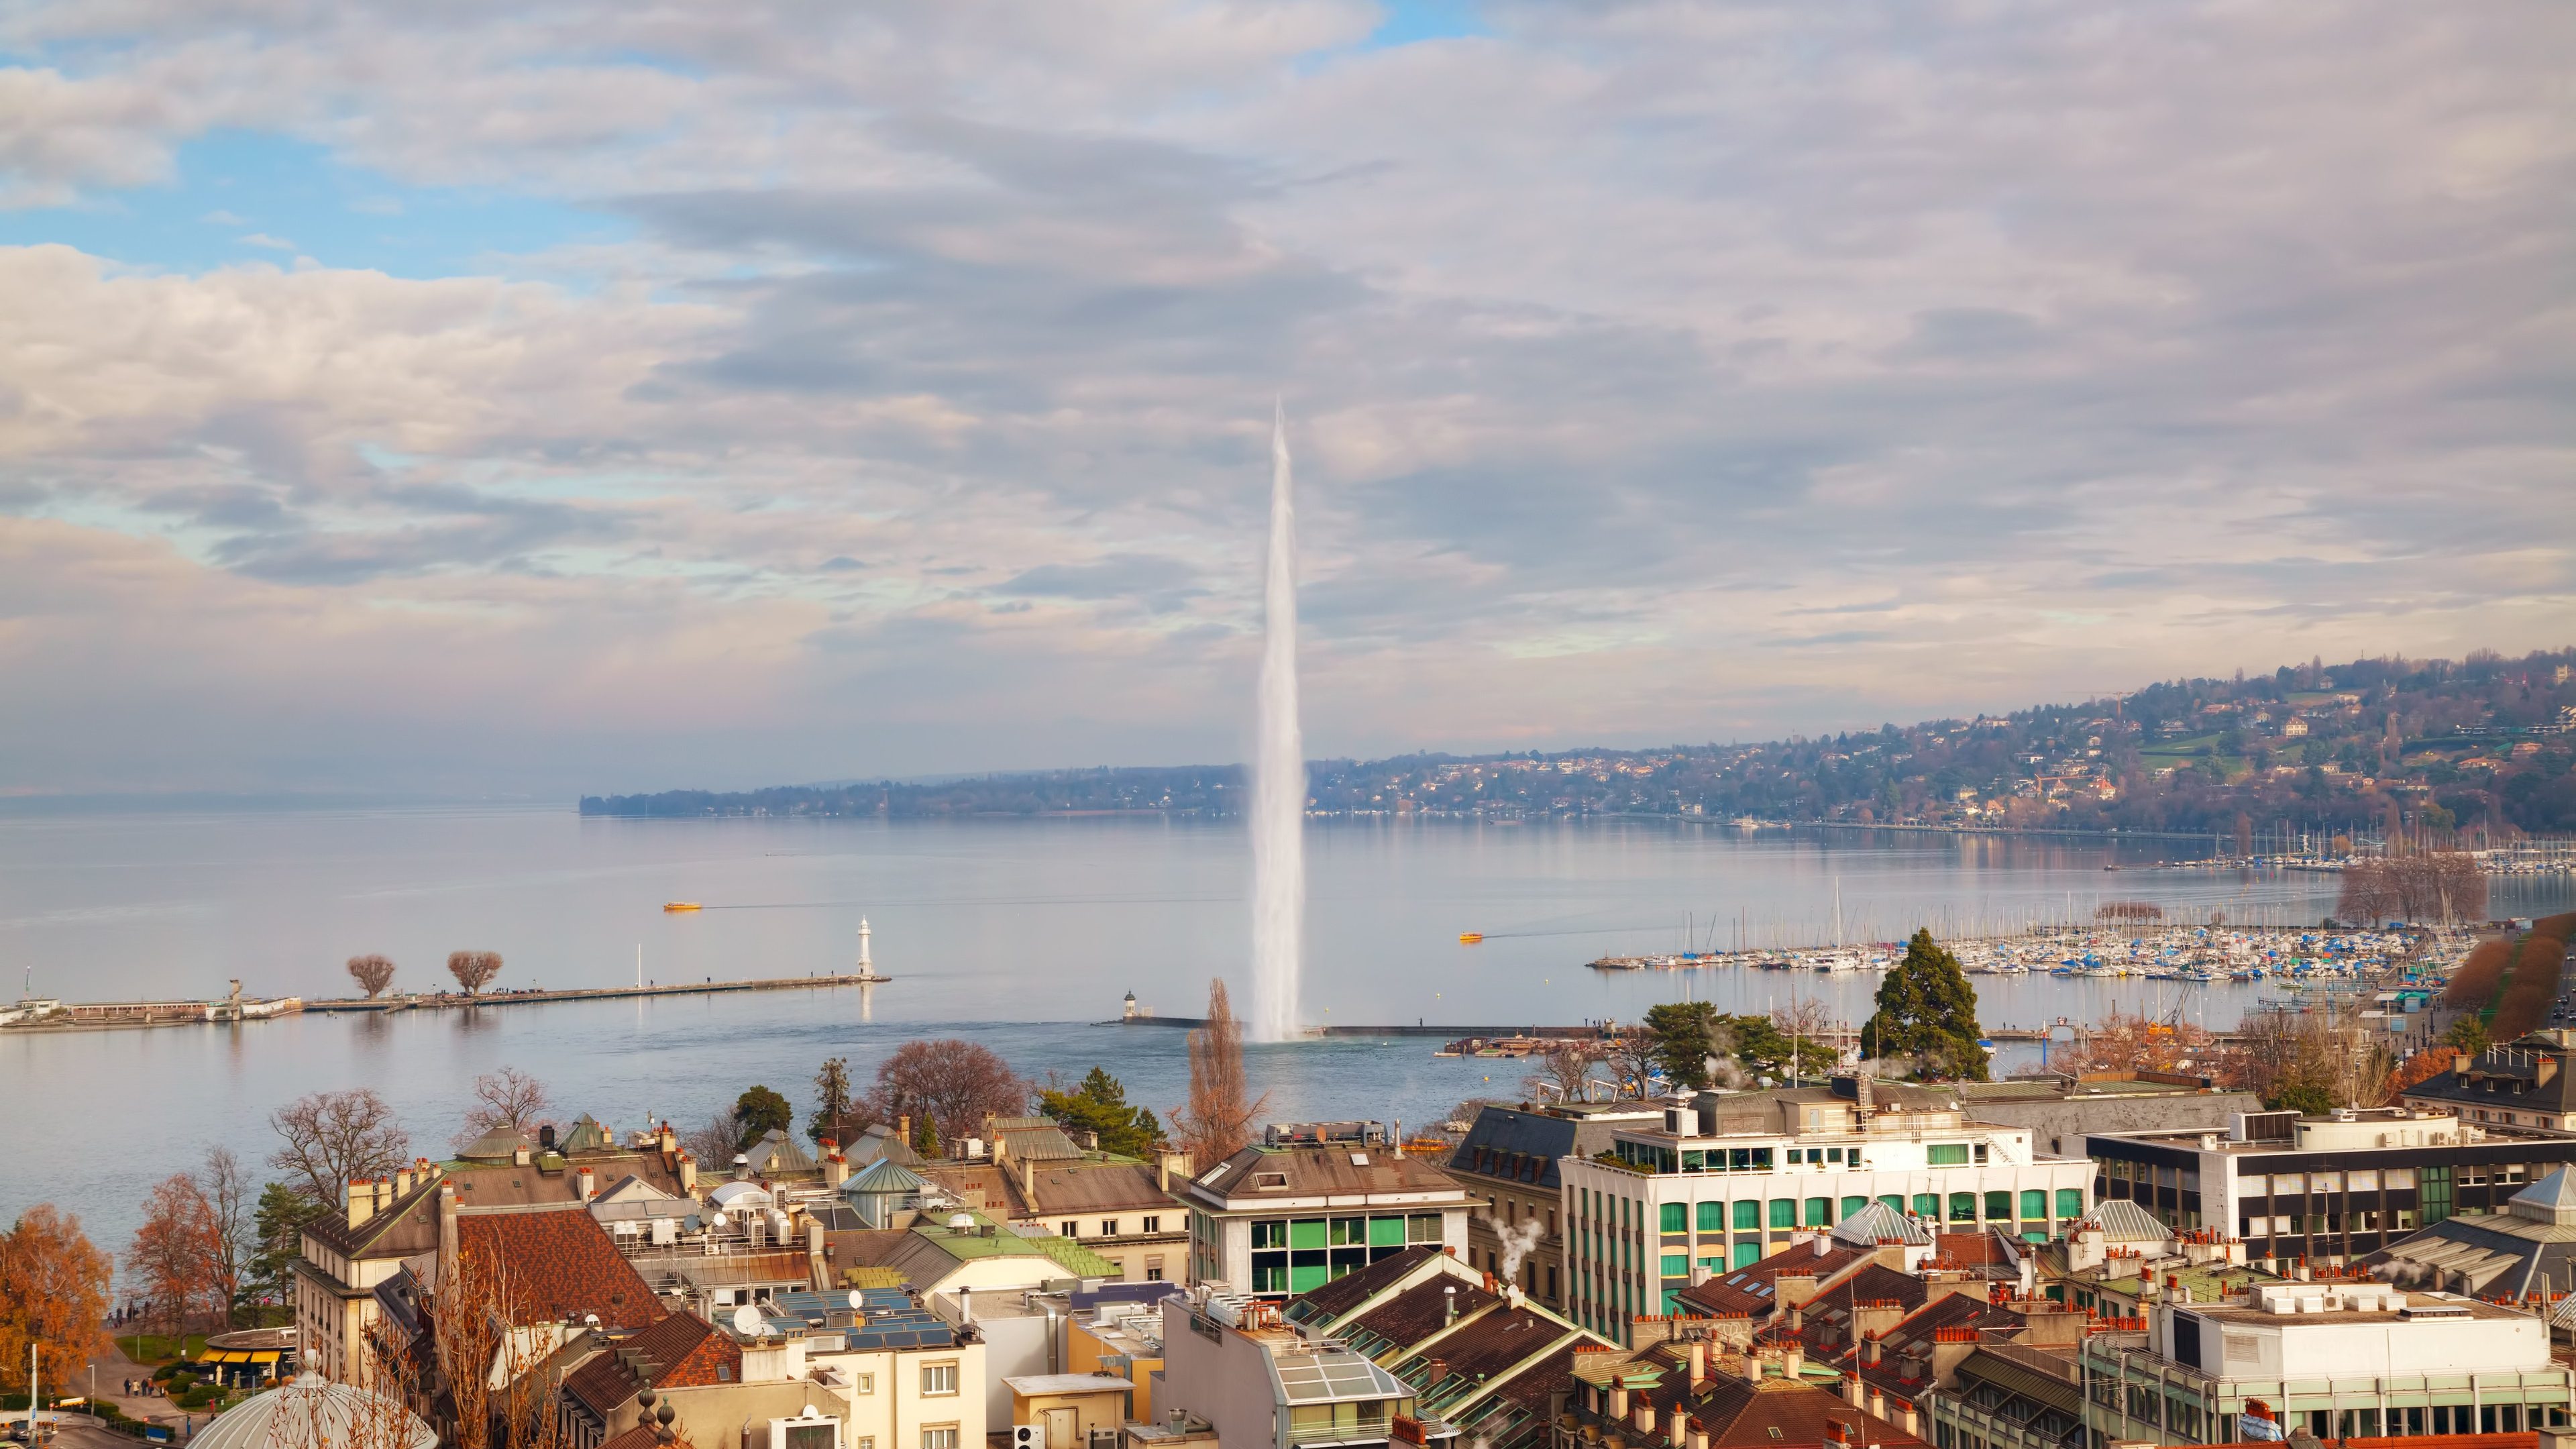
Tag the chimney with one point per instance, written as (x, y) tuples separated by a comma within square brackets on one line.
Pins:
[(836, 1169), (519, 1155), (1029, 1182), (1852, 1390), (1869, 1350), (1797, 1317), (1618, 1401), (1877, 1403), (903, 1133), (1435, 1369), (669, 1140), (402, 1180), (1698, 1435), (1677, 1426), (362, 1201), (446, 1228), (1169, 1165), (688, 1175), (1644, 1418), (1752, 1365), (1908, 1420), (1698, 1362), (1448, 1304), (1792, 1360), (589, 1184)]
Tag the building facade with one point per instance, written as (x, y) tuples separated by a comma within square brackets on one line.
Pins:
[(1726, 1179), (2344, 1359), (1508, 1161), (1275, 1221), (2327, 1189)]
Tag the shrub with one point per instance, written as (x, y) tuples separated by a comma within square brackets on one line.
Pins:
[(2475, 983)]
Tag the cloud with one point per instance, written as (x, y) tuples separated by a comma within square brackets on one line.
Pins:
[(1629, 351), (263, 239)]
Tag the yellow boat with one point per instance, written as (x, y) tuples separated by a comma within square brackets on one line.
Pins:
[(1470, 938), (680, 906)]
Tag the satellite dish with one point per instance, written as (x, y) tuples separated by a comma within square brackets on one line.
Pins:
[(746, 1321), (857, 1301)]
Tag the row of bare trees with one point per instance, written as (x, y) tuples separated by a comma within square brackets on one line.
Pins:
[(2436, 885), (473, 970)]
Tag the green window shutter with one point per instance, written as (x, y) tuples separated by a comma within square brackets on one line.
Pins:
[(2070, 1202), (1748, 1214), (1747, 1254), (1854, 1204), (1820, 1212), (2034, 1202), (1676, 1265), (1306, 1233), (1947, 1154), (1927, 1204), (1676, 1217), (1386, 1232), (1712, 1217), (1784, 1212)]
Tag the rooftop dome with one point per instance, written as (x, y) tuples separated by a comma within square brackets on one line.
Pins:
[(498, 1145), (314, 1413), (885, 1175)]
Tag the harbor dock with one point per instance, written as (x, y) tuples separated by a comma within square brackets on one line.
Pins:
[(40, 1014)]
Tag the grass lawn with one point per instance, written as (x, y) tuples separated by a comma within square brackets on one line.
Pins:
[(159, 1348)]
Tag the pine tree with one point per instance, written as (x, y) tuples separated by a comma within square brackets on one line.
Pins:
[(1099, 1106), (1685, 1038), (1928, 1012)]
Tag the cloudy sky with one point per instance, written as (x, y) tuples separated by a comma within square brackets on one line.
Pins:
[(585, 396)]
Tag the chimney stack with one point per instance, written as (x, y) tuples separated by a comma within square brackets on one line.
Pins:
[(1869, 1350), (1792, 1360), (589, 1184), (836, 1169), (1618, 1401), (1698, 1362), (1448, 1304), (1752, 1365), (1877, 1403), (362, 1201), (402, 1180), (1029, 1181), (669, 1140), (1677, 1427), (1908, 1420), (1698, 1435), (688, 1175), (1644, 1418), (446, 1228), (903, 1130)]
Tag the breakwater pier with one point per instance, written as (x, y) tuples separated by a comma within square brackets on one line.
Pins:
[(34, 1014)]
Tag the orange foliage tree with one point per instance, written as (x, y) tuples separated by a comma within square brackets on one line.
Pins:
[(2422, 1067), (53, 1294), (174, 1253)]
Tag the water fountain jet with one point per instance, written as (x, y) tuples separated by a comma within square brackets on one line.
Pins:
[(1278, 773)]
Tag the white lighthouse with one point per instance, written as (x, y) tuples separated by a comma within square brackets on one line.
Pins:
[(867, 968)]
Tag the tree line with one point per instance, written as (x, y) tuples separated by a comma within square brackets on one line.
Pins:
[(473, 970)]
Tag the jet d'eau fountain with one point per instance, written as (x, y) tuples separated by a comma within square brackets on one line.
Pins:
[(1278, 773)]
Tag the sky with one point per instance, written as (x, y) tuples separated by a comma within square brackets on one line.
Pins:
[(476, 399)]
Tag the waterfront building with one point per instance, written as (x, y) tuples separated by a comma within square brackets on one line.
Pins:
[(2325, 1189), (2062, 1110), (1508, 1161), (1233, 1363), (1724, 1179), (1272, 1221), (1038, 1178), (2524, 1086), (2341, 1359)]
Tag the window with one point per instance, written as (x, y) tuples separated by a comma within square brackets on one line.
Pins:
[(1854, 1204), (1999, 1205), (1068, 1229), (1675, 1217), (2070, 1202), (864, 1441), (1108, 1227), (1153, 1225), (938, 1436), (2034, 1203), (1676, 1265), (1712, 1217), (1748, 1215), (863, 1383), (1834, 1154), (1422, 1228), (1820, 1212), (939, 1378), (1963, 1207), (1947, 1154), (1927, 1204), (1784, 1212), (1270, 1235), (1153, 1270)]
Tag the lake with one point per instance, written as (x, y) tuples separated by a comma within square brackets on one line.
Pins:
[(1016, 933)]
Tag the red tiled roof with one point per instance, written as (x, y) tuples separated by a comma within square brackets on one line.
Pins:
[(1741, 1290), (686, 1352), (564, 1267)]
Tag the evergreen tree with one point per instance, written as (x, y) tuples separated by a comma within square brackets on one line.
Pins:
[(759, 1110), (831, 1101), (1927, 1011), (1099, 1105), (1685, 1037), (278, 1224)]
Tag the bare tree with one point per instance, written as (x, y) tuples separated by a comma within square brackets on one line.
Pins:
[(1630, 1053), (2434, 885), (1561, 1068), (373, 973), (331, 1137), (953, 1084), (232, 1205), (473, 970), (507, 1098), (715, 1144), (1218, 1121)]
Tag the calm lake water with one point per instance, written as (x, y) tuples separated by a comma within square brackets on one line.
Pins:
[(1015, 933)]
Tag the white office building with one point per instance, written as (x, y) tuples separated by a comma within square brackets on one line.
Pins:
[(1725, 1179)]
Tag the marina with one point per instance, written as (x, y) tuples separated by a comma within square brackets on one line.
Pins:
[(2298, 958)]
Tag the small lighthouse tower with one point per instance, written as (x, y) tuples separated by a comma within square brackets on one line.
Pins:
[(867, 968)]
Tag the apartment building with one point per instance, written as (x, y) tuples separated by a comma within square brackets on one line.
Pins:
[(2328, 1189), (1508, 1163), (1232, 1363), (2343, 1359), (1278, 1220), (1725, 1179), (1038, 1178), (2523, 1086)]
